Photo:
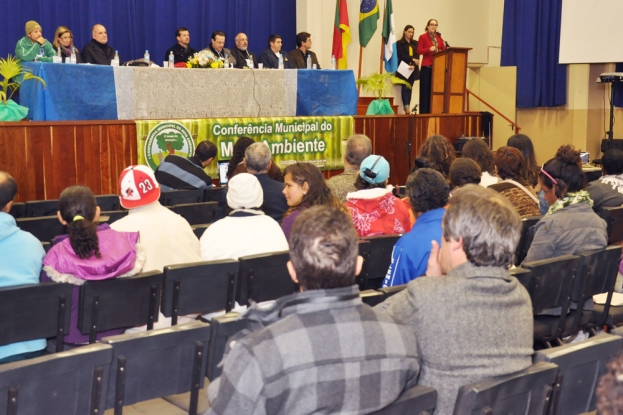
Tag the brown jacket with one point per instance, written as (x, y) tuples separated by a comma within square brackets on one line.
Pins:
[(299, 61)]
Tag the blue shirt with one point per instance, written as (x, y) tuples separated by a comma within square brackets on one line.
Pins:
[(20, 258), (411, 252)]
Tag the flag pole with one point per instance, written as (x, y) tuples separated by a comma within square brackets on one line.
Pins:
[(382, 50), (360, 60)]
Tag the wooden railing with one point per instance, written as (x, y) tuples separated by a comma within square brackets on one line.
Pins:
[(468, 93)]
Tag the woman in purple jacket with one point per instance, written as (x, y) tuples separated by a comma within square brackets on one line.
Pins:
[(88, 252)]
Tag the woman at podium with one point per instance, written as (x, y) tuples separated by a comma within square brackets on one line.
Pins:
[(408, 53), (428, 43)]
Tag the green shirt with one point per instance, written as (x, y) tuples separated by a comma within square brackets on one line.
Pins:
[(26, 50)]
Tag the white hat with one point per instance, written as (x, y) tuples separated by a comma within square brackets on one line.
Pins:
[(138, 187), (244, 192)]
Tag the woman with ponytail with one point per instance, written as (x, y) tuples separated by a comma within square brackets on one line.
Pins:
[(570, 225), (88, 252)]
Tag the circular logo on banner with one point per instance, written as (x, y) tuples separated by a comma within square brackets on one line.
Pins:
[(167, 138)]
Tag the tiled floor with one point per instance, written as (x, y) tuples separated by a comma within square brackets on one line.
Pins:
[(168, 405)]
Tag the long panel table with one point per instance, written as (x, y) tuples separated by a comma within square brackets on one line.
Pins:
[(94, 92)]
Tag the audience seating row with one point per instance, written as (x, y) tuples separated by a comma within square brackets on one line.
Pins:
[(120, 371), (37, 208), (614, 219), (560, 287), (561, 381)]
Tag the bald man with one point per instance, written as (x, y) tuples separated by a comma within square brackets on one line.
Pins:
[(98, 51), (244, 57)]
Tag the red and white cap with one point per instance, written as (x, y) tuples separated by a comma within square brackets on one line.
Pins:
[(138, 187)]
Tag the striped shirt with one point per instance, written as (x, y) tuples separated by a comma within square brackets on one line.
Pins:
[(177, 172)]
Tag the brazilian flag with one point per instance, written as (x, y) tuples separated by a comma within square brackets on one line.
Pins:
[(368, 15)]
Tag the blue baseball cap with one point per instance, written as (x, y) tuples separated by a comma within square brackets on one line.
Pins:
[(374, 169)]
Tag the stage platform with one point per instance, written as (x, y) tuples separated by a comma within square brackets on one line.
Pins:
[(46, 157)]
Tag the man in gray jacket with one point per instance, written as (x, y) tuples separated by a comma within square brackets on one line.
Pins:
[(321, 350), (471, 319)]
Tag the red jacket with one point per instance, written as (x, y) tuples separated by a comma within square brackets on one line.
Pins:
[(423, 48), (378, 212)]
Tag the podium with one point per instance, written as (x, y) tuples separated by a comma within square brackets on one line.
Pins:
[(449, 81)]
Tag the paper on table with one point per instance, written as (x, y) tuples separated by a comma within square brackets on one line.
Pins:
[(617, 299), (403, 69)]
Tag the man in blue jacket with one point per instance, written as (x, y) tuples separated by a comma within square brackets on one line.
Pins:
[(428, 194), (20, 255)]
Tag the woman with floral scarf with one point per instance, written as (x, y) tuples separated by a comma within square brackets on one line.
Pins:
[(570, 226)]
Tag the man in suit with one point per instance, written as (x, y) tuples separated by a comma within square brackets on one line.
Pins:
[(298, 57), (98, 50), (218, 49), (242, 54), (257, 161), (471, 319), (270, 56)]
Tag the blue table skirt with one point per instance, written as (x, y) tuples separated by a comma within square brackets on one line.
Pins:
[(73, 92), (326, 92), (87, 92)]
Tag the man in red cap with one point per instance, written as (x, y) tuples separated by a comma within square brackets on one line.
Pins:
[(166, 237)]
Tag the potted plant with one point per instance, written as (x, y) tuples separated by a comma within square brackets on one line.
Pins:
[(13, 74), (377, 84)]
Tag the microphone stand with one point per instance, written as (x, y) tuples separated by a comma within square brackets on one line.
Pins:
[(409, 137)]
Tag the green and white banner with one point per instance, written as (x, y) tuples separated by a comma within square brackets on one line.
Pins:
[(318, 140)]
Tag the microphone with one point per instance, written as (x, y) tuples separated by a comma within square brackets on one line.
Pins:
[(446, 43)]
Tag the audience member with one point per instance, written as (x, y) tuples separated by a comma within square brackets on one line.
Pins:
[(218, 50), (610, 389), (88, 252), (98, 50), (428, 192), (33, 46), (166, 237), (257, 162), (244, 57), (177, 172), (464, 171), (181, 50), (64, 40), (476, 321), (20, 255), (358, 147), (439, 153), (529, 169), (508, 164), (607, 191), (570, 225), (321, 350), (373, 207), (303, 188), (236, 163), (298, 57), (478, 150), (270, 56), (246, 231)]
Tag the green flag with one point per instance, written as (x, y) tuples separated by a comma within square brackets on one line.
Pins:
[(368, 16)]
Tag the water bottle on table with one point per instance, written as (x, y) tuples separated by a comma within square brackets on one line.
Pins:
[(171, 60), (309, 64), (72, 57), (280, 61), (146, 58), (333, 62)]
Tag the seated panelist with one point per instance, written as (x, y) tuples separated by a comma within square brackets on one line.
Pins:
[(34, 47), (64, 40)]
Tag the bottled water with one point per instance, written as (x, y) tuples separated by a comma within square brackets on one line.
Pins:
[(309, 62), (115, 60), (72, 57), (146, 57), (280, 61), (171, 60), (333, 62)]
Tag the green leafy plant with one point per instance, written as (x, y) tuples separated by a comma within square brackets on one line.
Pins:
[(13, 74), (377, 84)]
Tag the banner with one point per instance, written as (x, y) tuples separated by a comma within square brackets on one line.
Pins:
[(317, 140)]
